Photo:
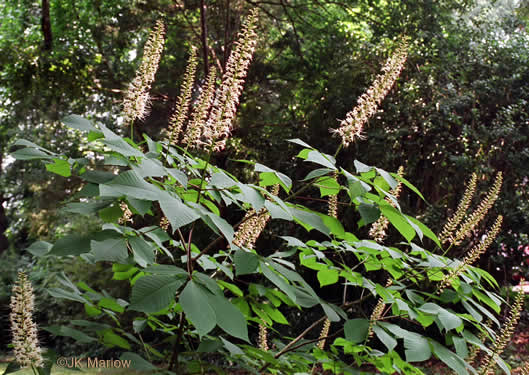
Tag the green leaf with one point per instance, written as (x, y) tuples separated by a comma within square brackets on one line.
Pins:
[(277, 212), (427, 231), (245, 262), (327, 277), (231, 287), (232, 348), (136, 362), (461, 346), (356, 330), (141, 206), (60, 167), (416, 348), (369, 213), (229, 317), (195, 303), (61, 293), (98, 177), (150, 168), (269, 176), (79, 336), (72, 244), (278, 281), (110, 303), (408, 184), (449, 320), (361, 167), (273, 313), (132, 185), (221, 224), (111, 214), (487, 300), (11, 368), (111, 339), (299, 142), (165, 270), (309, 220), (386, 339), (114, 250), (252, 196), (322, 159), (317, 173), (177, 212), (449, 358), (39, 248), (387, 177), (86, 208), (31, 154), (153, 293), (328, 186), (396, 218), (80, 123), (143, 251)]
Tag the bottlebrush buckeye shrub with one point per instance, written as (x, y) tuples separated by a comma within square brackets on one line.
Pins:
[(191, 301)]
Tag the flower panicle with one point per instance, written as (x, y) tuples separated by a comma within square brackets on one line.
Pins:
[(332, 202), (379, 227), (126, 217), (196, 130), (324, 333), (352, 126), (227, 97), (488, 363), (475, 218), (377, 312), (524, 370), (474, 254), (461, 210), (263, 338), (176, 122), (253, 224), (136, 101), (25, 340), (164, 223)]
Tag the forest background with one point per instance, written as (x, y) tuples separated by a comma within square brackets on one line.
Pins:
[(460, 106)]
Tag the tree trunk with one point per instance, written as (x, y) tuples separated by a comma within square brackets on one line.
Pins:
[(46, 25), (3, 227)]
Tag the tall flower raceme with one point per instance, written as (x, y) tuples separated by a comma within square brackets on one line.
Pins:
[(252, 225), (195, 128), (352, 126), (219, 123), (461, 210), (473, 255), (176, 122), (25, 341), (489, 362), (479, 213), (136, 102)]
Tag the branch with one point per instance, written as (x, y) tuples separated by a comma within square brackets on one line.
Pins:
[(204, 36)]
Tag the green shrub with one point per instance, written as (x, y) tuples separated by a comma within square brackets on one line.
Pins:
[(181, 233)]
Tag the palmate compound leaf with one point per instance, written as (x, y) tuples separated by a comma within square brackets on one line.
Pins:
[(153, 293)]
